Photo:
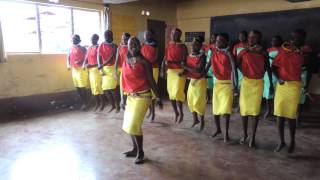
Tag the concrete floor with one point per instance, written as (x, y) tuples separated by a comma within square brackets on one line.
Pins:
[(73, 145)]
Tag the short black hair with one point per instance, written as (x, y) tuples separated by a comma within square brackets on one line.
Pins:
[(245, 33), (224, 35), (179, 30), (108, 32), (127, 35), (254, 31), (300, 31), (199, 39), (278, 38)]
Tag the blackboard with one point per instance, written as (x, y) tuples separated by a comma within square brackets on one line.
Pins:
[(190, 35), (272, 23)]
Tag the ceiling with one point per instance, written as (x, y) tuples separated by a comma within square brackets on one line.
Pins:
[(117, 1)]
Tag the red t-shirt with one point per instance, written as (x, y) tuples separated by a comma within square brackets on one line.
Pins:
[(77, 55), (194, 61), (174, 53), (123, 50), (92, 55), (106, 50), (134, 78), (289, 65), (252, 65), (149, 53), (273, 49), (238, 45), (221, 65)]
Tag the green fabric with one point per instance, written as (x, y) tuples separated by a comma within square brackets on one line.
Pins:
[(266, 88), (304, 83), (240, 76), (210, 81)]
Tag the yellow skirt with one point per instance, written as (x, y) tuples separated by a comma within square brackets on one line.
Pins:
[(155, 72), (197, 96), (287, 99), (108, 80), (176, 85), (80, 77), (222, 98), (95, 81), (250, 96), (136, 109)]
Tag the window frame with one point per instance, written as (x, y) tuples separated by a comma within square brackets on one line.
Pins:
[(70, 8)]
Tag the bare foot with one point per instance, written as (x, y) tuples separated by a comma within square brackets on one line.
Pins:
[(118, 109), (140, 158), (180, 118), (226, 138), (132, 153), (216, 133), (102, 107), (195, 123), (252, 143), (176, 117), (151, 118), (243, 140), (112, 108), (279, 147)]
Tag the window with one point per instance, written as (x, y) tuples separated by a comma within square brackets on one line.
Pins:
[(56, 29), (86, 23), (45, 28), (20, 30)]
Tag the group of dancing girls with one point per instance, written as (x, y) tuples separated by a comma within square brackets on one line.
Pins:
[(246, 69)]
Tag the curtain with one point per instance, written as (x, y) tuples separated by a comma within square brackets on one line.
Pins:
[(2, 52), (107, 18)]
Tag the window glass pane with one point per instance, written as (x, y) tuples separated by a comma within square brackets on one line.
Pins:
[(56, 31), (86, 23), (19, 26)]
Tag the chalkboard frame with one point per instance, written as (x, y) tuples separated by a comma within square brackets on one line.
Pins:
[(285, 21)]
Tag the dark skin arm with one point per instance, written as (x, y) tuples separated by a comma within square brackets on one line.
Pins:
[(117, 63), (234, 75), (163, 67), (151, 81), (109, 59), (199, 69)]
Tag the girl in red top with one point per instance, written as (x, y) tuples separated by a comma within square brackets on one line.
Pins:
[(149, 51), (137, 83), (75, 61), (107, 57), (120, 58), (224, 69), (91, 62), (175, 57), (253, 63), (287, 67), (194, 69)]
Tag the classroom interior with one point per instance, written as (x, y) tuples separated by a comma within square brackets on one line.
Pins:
[(44, 135)]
